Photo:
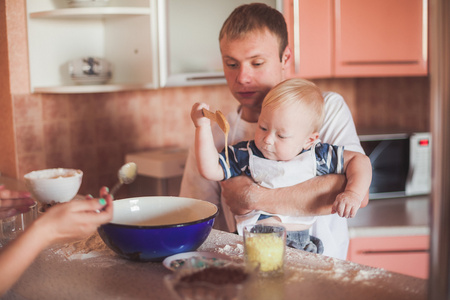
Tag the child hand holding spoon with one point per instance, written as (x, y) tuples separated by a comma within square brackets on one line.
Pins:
[(204, 142)]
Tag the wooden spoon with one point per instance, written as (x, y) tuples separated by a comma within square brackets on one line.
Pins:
[(219, 117)]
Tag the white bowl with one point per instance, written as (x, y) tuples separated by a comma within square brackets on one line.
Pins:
[(52, 186)]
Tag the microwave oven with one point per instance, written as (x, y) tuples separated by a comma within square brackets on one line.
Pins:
[(401, 164)]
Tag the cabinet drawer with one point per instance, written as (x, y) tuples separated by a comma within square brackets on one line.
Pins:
[(402, 254)]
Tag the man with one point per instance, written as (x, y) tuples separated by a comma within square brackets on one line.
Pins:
[(255, 56)]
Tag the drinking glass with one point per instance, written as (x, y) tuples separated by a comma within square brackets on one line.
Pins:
[(265, 248), (13, 226)]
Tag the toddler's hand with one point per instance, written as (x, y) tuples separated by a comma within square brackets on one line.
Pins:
[(347, 204), (197, 114)]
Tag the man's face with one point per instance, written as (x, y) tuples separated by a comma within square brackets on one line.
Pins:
[(252, 67)]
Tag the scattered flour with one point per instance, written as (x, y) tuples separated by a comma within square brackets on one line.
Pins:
[(301, 265), (82, 250), (231, 250)]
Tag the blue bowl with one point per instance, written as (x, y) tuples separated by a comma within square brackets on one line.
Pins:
[(152, 228)]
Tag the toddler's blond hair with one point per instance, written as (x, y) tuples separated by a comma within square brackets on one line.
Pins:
[(299, 92)]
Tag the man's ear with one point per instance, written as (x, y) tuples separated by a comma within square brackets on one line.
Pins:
[(311, 140), (286, 57)]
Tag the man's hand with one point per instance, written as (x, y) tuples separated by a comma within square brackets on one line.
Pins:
[(240, 193)]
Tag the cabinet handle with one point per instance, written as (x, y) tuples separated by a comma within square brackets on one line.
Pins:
[(394, 251), (424, 30), (405, 62), (296, 8), (205, 77)]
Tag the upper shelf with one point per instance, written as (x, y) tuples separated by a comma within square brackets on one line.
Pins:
[(91, 12), (102, 88)]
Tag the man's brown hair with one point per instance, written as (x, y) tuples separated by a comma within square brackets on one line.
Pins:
[(255, 16)]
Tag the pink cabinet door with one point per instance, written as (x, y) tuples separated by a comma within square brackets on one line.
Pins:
[(310, 37), (357, 38), (402, 254), (382, 37)]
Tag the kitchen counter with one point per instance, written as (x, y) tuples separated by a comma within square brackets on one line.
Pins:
[(392, 234), (392, 217), (89, 270)]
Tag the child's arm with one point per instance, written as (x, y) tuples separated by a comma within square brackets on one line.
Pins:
[(205, 150), (358, 172)]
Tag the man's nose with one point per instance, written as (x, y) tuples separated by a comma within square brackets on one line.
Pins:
[(245, 74)]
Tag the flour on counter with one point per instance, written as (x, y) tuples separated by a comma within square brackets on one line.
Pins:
[(234, 252), (230, 245), (231, 250), (81, 250), (303, 264)]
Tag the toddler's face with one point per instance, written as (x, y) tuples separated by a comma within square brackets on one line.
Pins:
[(283, 132)]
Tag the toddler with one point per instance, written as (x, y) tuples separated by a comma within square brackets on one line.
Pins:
[(286, 150)]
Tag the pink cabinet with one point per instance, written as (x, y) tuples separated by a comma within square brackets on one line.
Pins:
[(357, 38), (310, 31), (402, 254), (383, 37)]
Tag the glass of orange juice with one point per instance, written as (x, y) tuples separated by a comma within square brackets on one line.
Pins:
[(265, 248)]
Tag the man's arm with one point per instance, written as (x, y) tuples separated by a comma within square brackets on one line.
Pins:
[(309, 198)]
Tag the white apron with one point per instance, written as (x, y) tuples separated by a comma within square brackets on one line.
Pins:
[(277, 174)]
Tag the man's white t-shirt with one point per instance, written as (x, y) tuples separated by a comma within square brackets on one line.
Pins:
[(338, 129)]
